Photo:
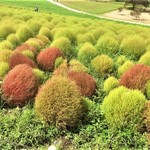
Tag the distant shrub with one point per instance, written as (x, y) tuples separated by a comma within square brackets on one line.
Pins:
[(107, 45), (46, 58), (145, 59), (87, 37), (4, 68), (59, 103), (133, 45), (102, 64), (28, 53), (5, 55), (19, 86), (136, 77), (84, 81), (43, 38), (120, 60), (86, 53), (18, 58), (126, 66), (58, 62), (5, 45), (34, 26), (24, 33), (39, 74), (110, 83), (13, 39), (123, 108), (64, 45), (46, 32)]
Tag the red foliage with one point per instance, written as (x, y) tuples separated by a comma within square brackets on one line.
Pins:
[(24, 47), (136, 77), (46, 58), (18, 58), (19, 86), (84, 81)]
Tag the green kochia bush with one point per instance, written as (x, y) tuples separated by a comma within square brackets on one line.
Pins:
[(59, 103), (5, 45), (145, 59), (4, 68), (123, 107), (13, 39)]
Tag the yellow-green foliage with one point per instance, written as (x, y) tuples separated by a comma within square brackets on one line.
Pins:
[(4, 68), (126, 66), (13, 39), (34, 25), (43, 38), (39, 74), (5, 30), (133, 45), (87, 37), (5, 55), (120, 60), (102, 64), (123, 107), (5, 45), (24, 33), (58, 61), (110, 83), (29, 54), (59, 103), (86, 53), (107, 45), (77, 66), (64, 44), (46, 32), (147, 87), (145, 59), (65, 32)]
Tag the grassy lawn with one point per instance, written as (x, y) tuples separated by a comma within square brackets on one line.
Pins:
[(93, 7)]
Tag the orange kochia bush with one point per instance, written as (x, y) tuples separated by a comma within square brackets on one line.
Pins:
[(136, 77), (84, 81), (46, 58), (19, 86), (18, 58)]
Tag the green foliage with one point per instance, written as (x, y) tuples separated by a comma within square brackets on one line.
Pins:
[(34, 25), (5, 55), (13, 39), (4, 68), (147, 87), (144, 59), (46, 32), (58, 62), (133, 45), (120, 60), (102, 64), (123, 107), (29, 54), (39, 74), (126, 66), (5, 45), (110, 83)]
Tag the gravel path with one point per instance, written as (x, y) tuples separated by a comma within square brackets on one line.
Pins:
[(98, 16)]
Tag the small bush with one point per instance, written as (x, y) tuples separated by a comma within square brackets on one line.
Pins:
[(13, 39), (58, 62), (120, 60), (110, 83), (126, 66), (59, 103), (19, 86), (5, 45), (133, 45), (46, 32), (136, 77), (28, 53), (18, 58), (43, 38), (5, 55), (86, 53), (4, 68), (144, 59), (34, 26), (84, 81), (107, 45), (39, 74), (46, 58), (123, 107), (102, 64)]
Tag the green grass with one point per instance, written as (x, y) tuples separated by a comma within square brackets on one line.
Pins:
[(93, 7)]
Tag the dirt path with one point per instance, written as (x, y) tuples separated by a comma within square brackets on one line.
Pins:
[(110, 16)]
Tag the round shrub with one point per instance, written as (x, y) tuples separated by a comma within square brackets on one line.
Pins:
[(46, 32), (102, 64), (59, 103), (136, 77), (18, 58), (107, 45), (19, 86), (145, 59), (43, 38), (110, 83), (13, 39), (28, 53), (46, 58), (120, 60), (84, 81), (5, 45), (86, 53), (24, 33), (133, 45), (58, 62), (34, 26), (123, 108), (39, 74), (5, 55), (4, 68), (126, 66), (64, 45)]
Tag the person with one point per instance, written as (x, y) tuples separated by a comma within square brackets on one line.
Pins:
[(36, 9)]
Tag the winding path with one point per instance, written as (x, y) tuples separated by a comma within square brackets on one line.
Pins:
[(82, 12)]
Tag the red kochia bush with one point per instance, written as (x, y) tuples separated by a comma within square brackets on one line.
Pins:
[(19, 86), (18, 58), (46, 58), (84, 81), (136, 77)]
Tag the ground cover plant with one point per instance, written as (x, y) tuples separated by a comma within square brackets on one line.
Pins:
[(78, 83)]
